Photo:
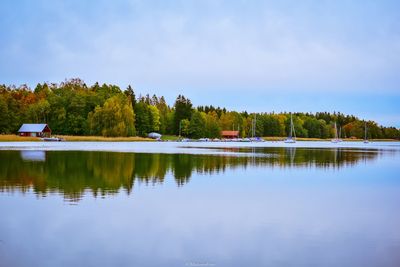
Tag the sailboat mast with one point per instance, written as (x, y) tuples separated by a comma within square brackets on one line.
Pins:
[(336, 135), (255, 123), (294, 132), (252, 128), (291, 132)]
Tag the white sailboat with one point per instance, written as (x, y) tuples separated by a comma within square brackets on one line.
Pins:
[(340, 135), (292, 134), (255, 138), (365, 133), (336, 139)]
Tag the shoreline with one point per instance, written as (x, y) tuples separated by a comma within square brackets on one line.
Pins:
[(75, 138), (210, 148), (168, 138), (311, 139)]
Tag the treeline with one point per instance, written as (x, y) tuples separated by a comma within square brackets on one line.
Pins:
[(73, 108)]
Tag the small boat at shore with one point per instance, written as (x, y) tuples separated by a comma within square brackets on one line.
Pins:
[(340, 135), (365, 134), (292, 134), (52, 139), (336, 139)]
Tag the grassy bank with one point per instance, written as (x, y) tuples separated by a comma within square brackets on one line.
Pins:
[(281, 138), (103, 139), (16, 138), (170, 138), (278, 138)]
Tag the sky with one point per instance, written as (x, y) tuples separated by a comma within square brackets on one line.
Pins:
[(258, 56)]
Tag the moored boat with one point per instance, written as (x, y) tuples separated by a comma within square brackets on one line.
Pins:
[(365, 133), (52, 139), (336, 139), (292, 133)]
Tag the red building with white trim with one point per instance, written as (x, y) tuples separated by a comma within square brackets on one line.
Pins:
[(35, 130), (230, 134)]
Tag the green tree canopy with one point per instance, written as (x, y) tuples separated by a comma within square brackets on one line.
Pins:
[(115, 118), (183, 110)]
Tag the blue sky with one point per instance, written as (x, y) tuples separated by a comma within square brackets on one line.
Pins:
[(254, 55)]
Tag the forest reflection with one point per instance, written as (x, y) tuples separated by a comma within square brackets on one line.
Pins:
[(72, 173)]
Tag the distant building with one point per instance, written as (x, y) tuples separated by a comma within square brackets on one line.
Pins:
[(230, 134), (35, 130)]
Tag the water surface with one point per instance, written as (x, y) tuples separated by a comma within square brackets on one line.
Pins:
[(229, 206)]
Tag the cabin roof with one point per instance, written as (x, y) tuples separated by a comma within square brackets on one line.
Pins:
[(32, 128), (230, 133)]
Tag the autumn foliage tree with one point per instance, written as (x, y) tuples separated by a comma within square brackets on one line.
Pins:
[(114, 118), (75, 108)]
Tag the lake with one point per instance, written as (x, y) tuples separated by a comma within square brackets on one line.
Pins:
[(199, 204)]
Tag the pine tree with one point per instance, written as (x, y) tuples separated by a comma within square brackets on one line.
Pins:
[(183, 110)]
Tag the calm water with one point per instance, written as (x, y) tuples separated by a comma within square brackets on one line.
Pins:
[(262, 207)]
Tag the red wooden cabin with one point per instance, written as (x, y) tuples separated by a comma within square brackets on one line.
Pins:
[(230, 134), (35, 130)]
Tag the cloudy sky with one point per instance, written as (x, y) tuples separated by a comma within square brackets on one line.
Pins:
[(256, 55)]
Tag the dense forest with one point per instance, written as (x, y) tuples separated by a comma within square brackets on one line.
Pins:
[(73, 108)]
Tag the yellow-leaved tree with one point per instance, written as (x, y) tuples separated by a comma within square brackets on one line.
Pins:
[(114, 118)]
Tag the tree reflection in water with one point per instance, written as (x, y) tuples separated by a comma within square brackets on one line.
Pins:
[(71, 173)]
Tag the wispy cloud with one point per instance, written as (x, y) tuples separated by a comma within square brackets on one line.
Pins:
[(262, 46)]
